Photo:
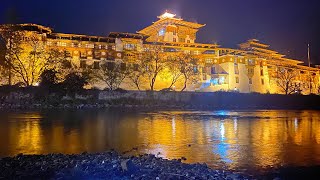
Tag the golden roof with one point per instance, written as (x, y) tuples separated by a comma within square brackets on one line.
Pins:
[(169, 20)]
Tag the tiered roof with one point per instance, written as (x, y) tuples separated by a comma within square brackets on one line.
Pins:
[(169, 19), (254, 47)]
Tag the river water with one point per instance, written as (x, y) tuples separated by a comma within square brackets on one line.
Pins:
[(222, 139)]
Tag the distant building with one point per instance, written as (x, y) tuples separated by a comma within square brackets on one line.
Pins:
[(251, 68)]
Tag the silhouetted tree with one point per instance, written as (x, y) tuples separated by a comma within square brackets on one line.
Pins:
[(74, 82), (48, 78)]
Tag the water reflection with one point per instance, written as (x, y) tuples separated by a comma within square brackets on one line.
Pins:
[(236, 139)]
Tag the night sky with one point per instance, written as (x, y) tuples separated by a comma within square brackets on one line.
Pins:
[(287, 25)]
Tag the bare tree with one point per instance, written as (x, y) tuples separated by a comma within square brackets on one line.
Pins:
[(188, 67), (112, 74), (10, 39), (284, 78), (136, 73), (26, 55), (173, 65), (153, 63), (3, 68)]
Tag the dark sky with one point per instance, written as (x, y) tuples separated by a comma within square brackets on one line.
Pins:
[(287, 25)]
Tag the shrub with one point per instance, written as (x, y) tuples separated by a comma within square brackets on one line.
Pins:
[(48, 79), (74, 83)]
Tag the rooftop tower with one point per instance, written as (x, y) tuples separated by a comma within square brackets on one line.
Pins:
[(169, 28)]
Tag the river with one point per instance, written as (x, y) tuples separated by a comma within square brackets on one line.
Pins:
[(222, 139)]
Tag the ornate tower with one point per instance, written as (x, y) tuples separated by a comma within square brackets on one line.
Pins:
[(171, 29)]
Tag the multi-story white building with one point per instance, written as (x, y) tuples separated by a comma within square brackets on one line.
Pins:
[(253, 67)]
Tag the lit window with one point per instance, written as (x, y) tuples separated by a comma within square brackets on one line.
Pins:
[(213, 70), (208, 60), (215, 81), (72, 44), (49, 43), (103, 53), (113, 47), (221, 80), (129, 46), (196, 52), (90, 46), (236, 68), (63, 44), (204, 77), (99, 46), (162, 32), (174, 40), (237, 79), (174, 32), (187, 51)]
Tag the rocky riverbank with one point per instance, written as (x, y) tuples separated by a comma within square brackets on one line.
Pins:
[(108, 165)]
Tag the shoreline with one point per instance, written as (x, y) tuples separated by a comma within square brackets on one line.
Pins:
[(113, 165), (144, 107), (90, 99), (106, 165)]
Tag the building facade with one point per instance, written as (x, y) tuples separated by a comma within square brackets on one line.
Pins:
[(253, 67)]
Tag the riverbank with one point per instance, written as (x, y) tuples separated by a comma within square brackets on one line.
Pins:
[(108, 165), (111, 165), (36, 98)]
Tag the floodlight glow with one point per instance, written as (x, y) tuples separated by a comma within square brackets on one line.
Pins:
[(167, 15)]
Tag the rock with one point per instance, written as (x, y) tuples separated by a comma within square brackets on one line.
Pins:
[(128, 166), (232, 176)]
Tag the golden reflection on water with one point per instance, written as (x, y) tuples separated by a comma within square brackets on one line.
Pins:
[(263, 139), (230, 138), (26, 136)]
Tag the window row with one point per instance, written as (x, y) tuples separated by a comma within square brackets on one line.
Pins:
[(80, 45), (108, 65)]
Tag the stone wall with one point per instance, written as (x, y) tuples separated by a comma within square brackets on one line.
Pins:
[(167, 100)]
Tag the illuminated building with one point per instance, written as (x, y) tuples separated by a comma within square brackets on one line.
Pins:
[(250, 68)]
